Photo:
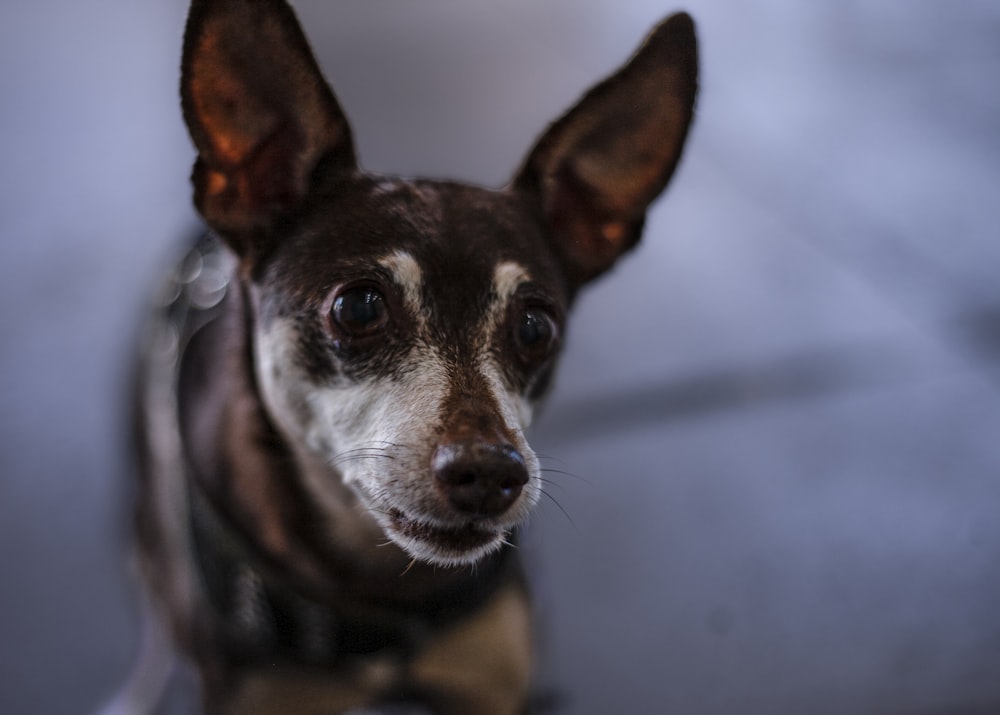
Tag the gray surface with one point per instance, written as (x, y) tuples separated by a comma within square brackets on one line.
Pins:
[(783, 413)]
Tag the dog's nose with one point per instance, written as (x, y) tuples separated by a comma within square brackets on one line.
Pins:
[(479, 478)]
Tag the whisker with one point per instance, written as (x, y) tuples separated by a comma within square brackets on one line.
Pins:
[(550, 458), (551, 483), (384, 443), (363, 455), (563, 472), (363, 450), (357, 457), (562, 509), (367, 452)]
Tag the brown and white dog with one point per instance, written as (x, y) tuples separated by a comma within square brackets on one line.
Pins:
[(335, 390)]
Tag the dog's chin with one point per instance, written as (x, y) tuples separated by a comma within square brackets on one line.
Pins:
[(442, 545)]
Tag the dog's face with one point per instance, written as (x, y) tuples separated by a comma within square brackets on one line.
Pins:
[(403, 330), (409, 358)]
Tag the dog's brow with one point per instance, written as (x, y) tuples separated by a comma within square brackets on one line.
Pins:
[(507, 276), (406, 272)]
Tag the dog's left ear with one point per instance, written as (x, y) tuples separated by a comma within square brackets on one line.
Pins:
[(260, 113), (597, 169)]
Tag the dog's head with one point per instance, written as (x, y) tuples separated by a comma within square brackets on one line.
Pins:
[(403, 330)]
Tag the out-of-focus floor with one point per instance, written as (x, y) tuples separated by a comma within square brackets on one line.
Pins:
[(782, 414)]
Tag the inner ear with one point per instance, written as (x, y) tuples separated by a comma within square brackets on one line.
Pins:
[(259, 111), (596, 170)]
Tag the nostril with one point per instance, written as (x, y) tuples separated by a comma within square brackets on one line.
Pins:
[(479, 478)]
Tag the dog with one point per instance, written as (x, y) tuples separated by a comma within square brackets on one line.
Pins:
[(334, 391)]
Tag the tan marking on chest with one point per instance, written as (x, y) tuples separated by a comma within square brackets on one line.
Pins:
[(482, 666)]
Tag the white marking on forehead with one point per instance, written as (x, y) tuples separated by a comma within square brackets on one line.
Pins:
[(407, 274), (507, 276)]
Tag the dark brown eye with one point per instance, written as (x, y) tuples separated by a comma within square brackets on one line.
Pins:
[(535, 335), (359, 311)]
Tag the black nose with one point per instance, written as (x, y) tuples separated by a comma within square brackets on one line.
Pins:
[(479, 478)]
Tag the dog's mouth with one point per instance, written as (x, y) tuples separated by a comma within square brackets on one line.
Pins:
[(443, 545)]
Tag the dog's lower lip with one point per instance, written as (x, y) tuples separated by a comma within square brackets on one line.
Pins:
[(461, 538)]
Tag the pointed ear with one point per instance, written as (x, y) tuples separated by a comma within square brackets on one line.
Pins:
[(597, 169), (260, 113)]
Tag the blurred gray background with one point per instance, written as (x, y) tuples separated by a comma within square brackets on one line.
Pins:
[(782, 414)]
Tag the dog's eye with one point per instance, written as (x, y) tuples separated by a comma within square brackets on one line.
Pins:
[(535, 335), (359, 311)]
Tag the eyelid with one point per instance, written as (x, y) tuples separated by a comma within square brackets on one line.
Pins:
[(529, 296)]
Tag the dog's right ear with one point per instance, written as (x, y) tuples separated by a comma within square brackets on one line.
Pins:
[(260, 113)]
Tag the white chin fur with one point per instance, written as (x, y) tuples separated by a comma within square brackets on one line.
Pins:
[(436, 555), (441, 546)]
